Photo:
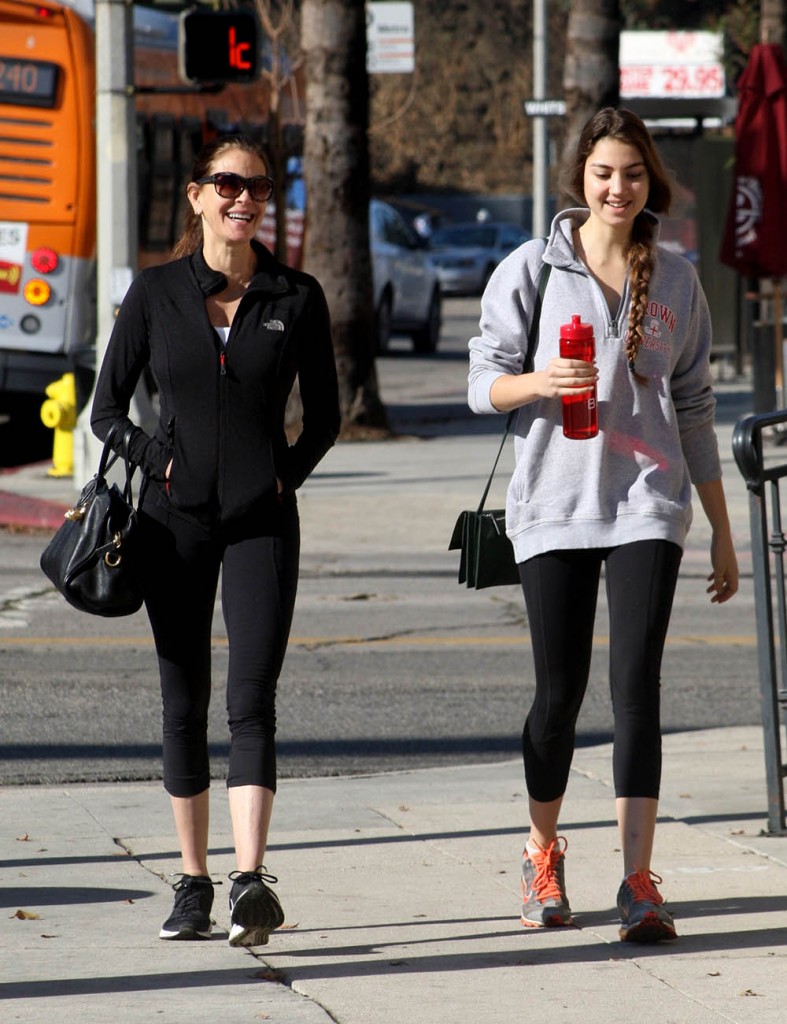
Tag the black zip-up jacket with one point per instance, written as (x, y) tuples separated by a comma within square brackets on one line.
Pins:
[(222, 408)]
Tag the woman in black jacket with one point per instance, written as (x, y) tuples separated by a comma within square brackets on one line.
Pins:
[(224, 329)]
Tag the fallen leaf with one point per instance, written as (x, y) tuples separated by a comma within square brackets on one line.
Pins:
[(287, 926), (27, 915), (714, 974), (403, 807), (738, 832), (24, 838), (129, 902), (748, 992), (685, 796), (268, 975), (50, 936)]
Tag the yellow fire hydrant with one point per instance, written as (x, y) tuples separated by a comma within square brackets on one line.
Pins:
[(60, 413)]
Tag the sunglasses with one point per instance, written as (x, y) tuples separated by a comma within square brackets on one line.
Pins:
[(230, 185)]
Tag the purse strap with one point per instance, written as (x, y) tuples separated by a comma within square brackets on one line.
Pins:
[(532, 340)]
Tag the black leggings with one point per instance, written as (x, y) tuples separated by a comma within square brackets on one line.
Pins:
[(180, 563), (561, 590)]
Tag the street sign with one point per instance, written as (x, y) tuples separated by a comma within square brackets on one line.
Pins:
[(219, 46), (545, 108), (390, 38)]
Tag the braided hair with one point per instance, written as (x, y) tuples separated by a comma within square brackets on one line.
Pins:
[(625, 126)]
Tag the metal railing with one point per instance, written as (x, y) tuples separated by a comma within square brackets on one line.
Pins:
[(768, 558)]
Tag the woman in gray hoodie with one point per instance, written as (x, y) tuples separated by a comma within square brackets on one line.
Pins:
[(621, 499)]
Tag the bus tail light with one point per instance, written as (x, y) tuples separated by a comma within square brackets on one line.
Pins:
[(44, 260), (37, 292)]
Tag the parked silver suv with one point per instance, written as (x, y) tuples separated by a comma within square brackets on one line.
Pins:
[(407, 296)]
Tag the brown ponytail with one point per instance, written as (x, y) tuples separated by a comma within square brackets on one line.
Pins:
[(190, 237)]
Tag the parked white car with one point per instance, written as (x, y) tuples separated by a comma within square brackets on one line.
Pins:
[(407, 294)]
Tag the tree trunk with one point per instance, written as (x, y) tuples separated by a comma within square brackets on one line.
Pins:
[(591, 76), (336, 172), (772, 21), (278, 171)]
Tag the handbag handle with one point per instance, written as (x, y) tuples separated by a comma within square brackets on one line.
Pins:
[(110, 457), (532, 340)]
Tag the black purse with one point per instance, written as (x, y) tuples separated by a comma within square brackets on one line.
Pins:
[(90, 558), (487, 555)]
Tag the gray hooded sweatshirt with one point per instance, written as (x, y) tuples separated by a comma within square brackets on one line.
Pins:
[(633, 481)]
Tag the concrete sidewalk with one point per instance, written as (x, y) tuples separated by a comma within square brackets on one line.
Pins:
[(401, 894), (401, 891)]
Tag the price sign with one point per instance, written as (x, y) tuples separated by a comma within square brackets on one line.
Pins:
[(671, 65)]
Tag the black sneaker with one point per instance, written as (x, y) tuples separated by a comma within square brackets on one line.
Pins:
[(254, 909), (190, 917)]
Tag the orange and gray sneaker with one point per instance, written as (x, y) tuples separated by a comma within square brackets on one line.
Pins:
[(544, 901), (643, 917)]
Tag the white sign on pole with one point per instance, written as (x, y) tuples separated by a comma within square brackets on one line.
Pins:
[(390, 38), (545, 108), (673, 65)]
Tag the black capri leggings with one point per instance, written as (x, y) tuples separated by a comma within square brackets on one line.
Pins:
[(561, 591), (180, 563)]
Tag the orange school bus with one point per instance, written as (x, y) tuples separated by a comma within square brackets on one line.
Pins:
[(47, 193)]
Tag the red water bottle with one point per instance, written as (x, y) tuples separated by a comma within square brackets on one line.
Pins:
[(580, 414)]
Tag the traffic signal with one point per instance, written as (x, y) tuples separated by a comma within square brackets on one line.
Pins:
[(219, 46)]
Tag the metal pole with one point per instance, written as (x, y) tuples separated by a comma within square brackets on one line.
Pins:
[(540, 142), (766, 649), (116, 239), (778, 335)]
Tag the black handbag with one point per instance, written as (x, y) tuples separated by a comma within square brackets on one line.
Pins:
[(90, 558), (487, 555)]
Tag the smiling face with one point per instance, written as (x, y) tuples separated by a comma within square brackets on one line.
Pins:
[(616, 182), (228, 222)]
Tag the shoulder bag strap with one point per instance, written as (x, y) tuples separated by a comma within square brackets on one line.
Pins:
[(532, 340)]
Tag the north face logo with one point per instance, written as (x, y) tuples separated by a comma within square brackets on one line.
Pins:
[(274, 325)]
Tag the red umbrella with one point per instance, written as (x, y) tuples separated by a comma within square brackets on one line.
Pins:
[(755, 237)]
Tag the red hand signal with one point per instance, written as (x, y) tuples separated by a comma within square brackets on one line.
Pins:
[(237, 51)]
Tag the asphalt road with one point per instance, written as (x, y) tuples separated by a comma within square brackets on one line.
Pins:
[(391, 666)]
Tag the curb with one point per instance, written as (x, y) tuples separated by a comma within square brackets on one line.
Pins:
[(32, 513)]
